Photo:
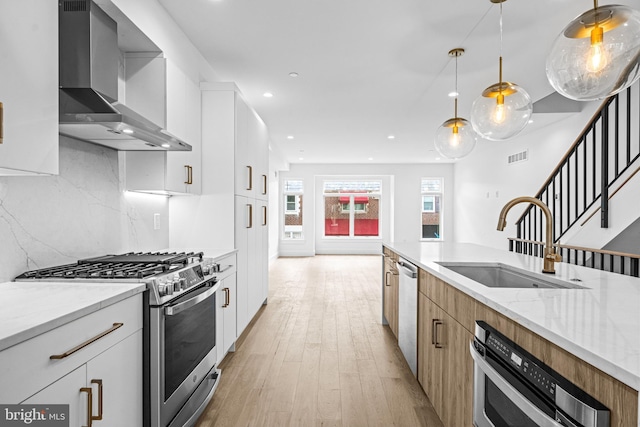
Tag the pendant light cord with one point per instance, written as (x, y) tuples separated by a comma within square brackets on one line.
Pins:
[(500, 81), (456, 99)]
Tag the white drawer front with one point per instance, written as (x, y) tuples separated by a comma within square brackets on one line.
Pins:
[(27, 368)]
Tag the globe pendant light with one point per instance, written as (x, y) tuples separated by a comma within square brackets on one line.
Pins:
[(597, 55), (504, 108), (455, 138)]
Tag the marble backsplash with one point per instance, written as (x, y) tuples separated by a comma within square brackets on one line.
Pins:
[(80, 213)]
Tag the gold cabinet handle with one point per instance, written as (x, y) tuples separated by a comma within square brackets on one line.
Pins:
[(386, 278), (250, 177), (86, 343), (264, 184), (264, 215), (227, 297), (89, 404), (189, 174), (250, 215), (1, 122), (434, 337), (99, 416)]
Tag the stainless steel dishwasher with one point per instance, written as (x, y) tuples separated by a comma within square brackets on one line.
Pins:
[(408, 313)]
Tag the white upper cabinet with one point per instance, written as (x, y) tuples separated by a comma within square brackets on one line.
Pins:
[(29, 87), (164, 172)]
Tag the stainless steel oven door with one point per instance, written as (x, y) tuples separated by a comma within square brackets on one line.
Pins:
[(498, 403), (182, 350)]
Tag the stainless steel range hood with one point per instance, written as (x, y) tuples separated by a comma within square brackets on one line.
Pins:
[(89, 61)]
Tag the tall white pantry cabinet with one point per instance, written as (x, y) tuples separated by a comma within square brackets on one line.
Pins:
[(236, 147)]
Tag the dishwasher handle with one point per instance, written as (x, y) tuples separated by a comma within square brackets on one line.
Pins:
[(407, 268)]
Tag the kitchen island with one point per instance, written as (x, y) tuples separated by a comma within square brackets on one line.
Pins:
[(598, 323)]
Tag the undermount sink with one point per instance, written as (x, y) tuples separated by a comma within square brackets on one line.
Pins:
[(497, 275)]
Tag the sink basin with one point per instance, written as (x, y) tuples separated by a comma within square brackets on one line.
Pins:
[(497, 275)]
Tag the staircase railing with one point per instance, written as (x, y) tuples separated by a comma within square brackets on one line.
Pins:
[(604, 151), (601, 259)]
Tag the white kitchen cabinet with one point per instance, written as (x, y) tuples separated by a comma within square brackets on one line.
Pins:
[(111, 378), (226, 304), (112, 354), (29, 87), (162, 172), (234, 135)]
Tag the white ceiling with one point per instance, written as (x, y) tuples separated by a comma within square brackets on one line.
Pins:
[(371, 68)]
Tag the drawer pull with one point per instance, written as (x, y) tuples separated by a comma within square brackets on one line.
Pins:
[(436, 341), (249, 178), (86, 343), (189, 174), (99, 416), (227, 297), (89, 404), (386, 277)]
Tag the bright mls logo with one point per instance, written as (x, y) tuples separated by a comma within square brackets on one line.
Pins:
[(34, 415)]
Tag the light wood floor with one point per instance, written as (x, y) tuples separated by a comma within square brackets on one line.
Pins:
[(317, 354)]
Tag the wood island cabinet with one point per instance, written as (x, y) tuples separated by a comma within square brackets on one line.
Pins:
[(446, 324), (391, 288), (445, 368), (447, 375)]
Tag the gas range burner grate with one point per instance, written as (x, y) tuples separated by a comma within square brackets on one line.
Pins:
[(126, 266), (168, 258)]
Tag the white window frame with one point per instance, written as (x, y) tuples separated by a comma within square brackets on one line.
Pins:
[(433, 194), (288, 211), (289, 234), (433, 202), (352, 212)]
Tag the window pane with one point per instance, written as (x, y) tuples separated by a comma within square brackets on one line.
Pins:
[(431, 220), (431, 185), (366, 221), (352, 186), (336, 221), (293, 186)]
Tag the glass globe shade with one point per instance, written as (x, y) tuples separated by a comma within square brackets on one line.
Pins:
[(498, 118), (455, 138), (585, 66)]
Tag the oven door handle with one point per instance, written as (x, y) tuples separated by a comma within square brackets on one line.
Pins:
[(537, 416), (170, 310)]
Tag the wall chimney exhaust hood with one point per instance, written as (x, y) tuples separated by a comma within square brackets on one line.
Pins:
[(89, 63)]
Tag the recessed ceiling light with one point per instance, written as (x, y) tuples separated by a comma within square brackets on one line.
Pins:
[(453, 94), (437, 158), (293, 74), (267, 95), (127, 131), (166, 145), (531, 121), (370, 158), (290, 137), (300, 158), (391, 137)]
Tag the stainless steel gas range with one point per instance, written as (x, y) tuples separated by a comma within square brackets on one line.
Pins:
[(180, 373)]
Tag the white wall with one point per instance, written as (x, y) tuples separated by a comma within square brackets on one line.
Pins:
[(485, 182), (401, 193), (81, 213)]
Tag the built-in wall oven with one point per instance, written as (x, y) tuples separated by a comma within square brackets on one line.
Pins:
[(514, 389)]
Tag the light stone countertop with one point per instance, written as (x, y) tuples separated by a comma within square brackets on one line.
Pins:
[(599, 324), (28, 309)]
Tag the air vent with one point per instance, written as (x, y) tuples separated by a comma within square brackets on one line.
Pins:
[(74, 5), (523, 156)]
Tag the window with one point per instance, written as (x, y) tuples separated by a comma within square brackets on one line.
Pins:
[(351, 208), (293, 198), (431, 193), (428, 204), (291, 204)]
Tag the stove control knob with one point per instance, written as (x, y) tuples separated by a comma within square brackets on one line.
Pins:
[(161, 290), (168, 290), (183, 283)]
